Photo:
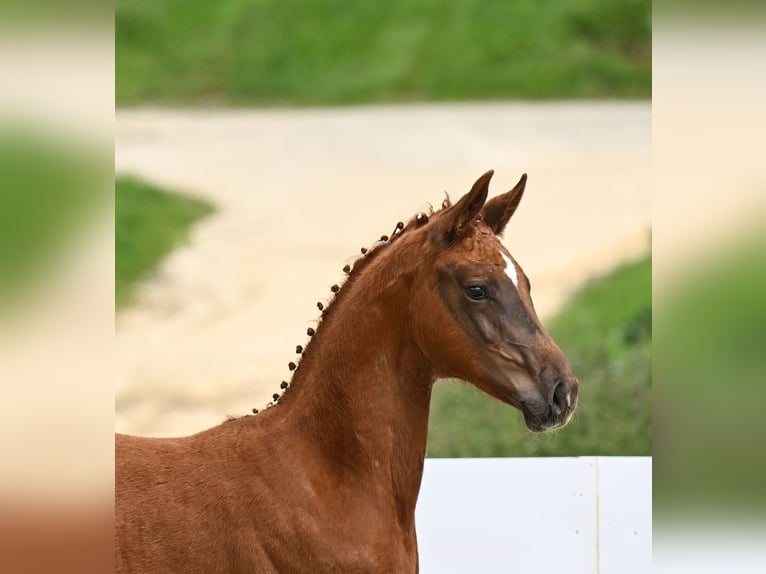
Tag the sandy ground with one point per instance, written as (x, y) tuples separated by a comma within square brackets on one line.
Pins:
[(298, 192)]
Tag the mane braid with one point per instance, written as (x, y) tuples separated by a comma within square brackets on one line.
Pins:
[(339, 290)]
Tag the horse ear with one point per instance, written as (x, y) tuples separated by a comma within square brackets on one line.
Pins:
[(458, 217), (499, 210)]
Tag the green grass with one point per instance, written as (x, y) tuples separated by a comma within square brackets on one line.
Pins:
[(49, 189), (308, 52), (606, 333), (150, 222)]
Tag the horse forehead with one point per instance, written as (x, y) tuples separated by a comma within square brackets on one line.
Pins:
[(481, 248)]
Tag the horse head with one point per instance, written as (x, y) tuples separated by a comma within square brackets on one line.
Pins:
[(473, 315)]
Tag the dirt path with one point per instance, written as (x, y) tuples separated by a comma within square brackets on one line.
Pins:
[(299, 192)]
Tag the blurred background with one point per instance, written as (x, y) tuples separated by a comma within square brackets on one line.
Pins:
[(709, 209), (56, 286)]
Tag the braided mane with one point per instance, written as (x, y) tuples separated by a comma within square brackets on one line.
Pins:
[(352, 273)]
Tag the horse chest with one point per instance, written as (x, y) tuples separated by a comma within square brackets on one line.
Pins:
[(349, 539), (324, 521)]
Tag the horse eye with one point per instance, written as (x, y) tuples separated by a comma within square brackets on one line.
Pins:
[(476, 292)]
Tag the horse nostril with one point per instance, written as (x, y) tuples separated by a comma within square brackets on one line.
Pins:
[(559, 402)]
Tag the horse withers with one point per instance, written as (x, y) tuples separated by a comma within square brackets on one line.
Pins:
[(326, 479)]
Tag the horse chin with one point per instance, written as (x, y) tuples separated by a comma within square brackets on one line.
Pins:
[(537, 420), (542, 423), (534, 424)]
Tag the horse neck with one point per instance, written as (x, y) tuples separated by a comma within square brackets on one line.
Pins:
[(362, 392)]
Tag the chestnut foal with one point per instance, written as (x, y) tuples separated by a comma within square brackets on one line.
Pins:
[(326, 480)]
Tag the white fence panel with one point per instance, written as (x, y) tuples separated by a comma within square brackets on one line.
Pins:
[(625, 515), (535, 515)]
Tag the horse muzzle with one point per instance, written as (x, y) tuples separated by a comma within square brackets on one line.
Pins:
[(555, 410)]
